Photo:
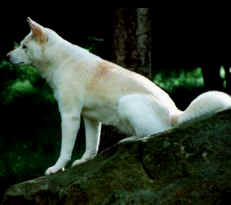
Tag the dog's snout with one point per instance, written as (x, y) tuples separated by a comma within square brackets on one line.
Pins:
[(8, 54)]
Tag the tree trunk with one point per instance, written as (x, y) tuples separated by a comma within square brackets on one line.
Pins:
[(131, 40)]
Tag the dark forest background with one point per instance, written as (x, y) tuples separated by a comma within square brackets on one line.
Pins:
[(185, 51)]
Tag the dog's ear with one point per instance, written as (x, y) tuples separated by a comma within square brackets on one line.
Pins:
[(38, 31)]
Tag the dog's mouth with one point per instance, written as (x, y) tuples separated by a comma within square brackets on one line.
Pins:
[(20, 63), (16, 62)]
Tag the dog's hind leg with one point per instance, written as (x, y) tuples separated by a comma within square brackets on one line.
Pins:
[(145, 115), (92, 132)]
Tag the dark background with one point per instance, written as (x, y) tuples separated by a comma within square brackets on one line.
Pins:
[(181, 36)]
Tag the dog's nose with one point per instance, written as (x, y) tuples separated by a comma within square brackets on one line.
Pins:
[(8, 54)]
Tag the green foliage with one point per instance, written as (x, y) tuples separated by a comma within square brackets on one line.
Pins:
[(171, 80), (26, 106), (22, 72), (21, 81), (16, 89), (222, 72)]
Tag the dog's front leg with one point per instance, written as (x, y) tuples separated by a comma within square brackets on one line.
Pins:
[(70, 127)]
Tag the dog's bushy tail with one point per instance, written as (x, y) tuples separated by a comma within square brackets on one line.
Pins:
[(207, 103)]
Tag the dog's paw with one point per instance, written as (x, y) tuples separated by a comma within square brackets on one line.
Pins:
[(52, 170), (78, 162)]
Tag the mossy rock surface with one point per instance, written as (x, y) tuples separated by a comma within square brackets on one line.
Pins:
[(190, 164)]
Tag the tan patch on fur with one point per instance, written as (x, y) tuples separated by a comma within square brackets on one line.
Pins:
[(27, 40), (42, 38), (103, 70), (175, 118), (112, 80), (39, 34)]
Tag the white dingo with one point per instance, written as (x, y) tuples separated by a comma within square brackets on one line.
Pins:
[(102, 92)]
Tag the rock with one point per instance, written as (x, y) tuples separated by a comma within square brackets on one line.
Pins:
[(190, 164)]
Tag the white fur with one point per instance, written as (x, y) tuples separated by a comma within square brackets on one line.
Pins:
[(206, 103), (103, 93)]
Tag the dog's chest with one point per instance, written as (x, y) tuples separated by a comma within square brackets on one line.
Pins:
[(105, 112)]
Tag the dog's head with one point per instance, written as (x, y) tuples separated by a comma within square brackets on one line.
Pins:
[(32, 48)]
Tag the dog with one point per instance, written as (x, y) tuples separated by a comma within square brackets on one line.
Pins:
[(102, 93)]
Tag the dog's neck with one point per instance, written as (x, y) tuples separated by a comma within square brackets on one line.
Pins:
[(67, 53)]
